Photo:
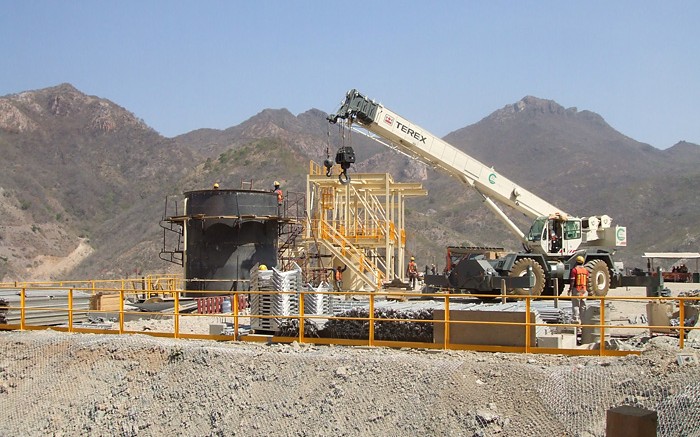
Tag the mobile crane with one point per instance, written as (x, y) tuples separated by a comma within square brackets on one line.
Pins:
[(550, 246)]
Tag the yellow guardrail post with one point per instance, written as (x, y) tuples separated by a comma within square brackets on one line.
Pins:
[(301, 317), (371, 319), (177, 315), (70, 310), (527, 324), (446, 341), (681, 315), (121, 311), (234, 306), (602, 325), (22, 303)]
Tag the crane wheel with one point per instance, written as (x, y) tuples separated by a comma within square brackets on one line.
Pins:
[(599, 281), (520, 269)]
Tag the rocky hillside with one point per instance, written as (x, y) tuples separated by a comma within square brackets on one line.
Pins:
[(85, 181), (73, 164)]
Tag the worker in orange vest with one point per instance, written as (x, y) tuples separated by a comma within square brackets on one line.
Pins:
[(412, 272), (280, 195), (339, 278), (578, 288)]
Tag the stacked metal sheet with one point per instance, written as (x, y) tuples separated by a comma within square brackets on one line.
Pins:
[(47, 307), (285, 302), (340, 305), (316, 303), (3, 310)]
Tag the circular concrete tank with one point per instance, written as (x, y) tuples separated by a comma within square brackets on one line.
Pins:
[(226, 233)]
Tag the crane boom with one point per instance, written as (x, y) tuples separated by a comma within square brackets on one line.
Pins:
[(554, 243), (435, 152)]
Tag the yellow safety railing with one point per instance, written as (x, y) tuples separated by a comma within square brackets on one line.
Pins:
[(360, 231), (160, 282), (447, 323)]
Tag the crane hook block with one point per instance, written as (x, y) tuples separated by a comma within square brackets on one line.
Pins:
[(345, 156)]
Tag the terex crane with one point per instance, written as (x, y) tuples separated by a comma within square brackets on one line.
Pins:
[(553, 241)]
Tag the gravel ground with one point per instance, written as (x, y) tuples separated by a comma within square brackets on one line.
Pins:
[(61, 384)]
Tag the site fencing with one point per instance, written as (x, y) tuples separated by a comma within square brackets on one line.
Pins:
[(396, 319)]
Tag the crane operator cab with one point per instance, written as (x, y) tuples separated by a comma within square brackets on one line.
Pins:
[(556, 234)]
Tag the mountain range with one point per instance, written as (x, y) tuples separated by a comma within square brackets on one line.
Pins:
[(85, 181)]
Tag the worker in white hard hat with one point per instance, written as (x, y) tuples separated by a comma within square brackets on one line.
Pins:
[(578, 289), (412, 272)]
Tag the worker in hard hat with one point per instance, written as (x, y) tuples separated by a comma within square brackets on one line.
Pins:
[(262, 267), (280, 196), (412, 272), (339, 277), (216, 185), (578, 289)]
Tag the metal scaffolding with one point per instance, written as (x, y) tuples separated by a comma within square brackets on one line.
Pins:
[(360, 225)]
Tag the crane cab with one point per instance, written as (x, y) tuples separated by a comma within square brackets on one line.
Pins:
[(555, 234)]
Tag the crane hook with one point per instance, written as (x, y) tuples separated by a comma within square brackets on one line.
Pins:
[(343, 177), (329, 166)]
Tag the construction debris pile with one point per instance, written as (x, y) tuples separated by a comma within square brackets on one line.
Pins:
[(55, 383)]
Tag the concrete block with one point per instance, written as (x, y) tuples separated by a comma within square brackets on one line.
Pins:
[(484, 334), (550, 341), (557, 341), (659, 314), (629, 421), (568, 341), (217, 329)]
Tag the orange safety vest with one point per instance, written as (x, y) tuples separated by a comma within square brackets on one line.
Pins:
[(280, 196), (412, 268), (338, 275), (579, 279)]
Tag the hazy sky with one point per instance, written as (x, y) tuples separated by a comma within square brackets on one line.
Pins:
[(183, 65)]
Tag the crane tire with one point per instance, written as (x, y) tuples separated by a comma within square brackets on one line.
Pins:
[(520, 269), (599, 280)]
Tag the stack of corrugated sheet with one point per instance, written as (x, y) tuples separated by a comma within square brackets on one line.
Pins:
[(552, 314), (3, 311), (339, 305), (283, 303), (45, 307), (317, 304), (260, 280)]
